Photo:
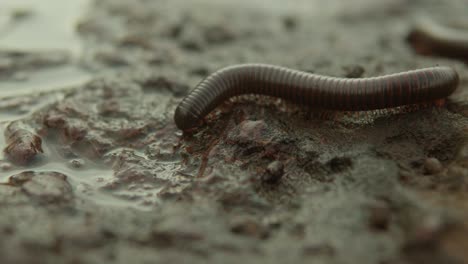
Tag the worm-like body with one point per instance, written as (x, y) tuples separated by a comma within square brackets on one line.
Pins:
[(428, 37), (412, 87)]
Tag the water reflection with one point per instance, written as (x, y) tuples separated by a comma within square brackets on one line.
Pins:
[(88, 178), (40, 25), (45, 81)]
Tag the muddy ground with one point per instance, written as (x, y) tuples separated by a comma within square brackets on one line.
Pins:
[(98, 173)]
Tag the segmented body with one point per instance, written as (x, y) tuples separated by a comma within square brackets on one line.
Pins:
[(429, 38), (411, 87)]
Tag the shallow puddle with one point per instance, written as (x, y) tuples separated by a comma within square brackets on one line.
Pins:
[(88, 180), (45, 81), (40, 25), (31, 26)]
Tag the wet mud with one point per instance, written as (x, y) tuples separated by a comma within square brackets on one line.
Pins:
[(94, 169)]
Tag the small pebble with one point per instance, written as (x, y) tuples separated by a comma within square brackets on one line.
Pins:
[(21, 178), (76, 163), (252, 132), (338, 164), (200, 70), (405, 175), (248, 227), (192, 43), (432, 166), (274, 172), (5, 166), (218, 35), (289, 22), (45, 187), (23, 146), (426, 234), (380, 216), (354, 71), (20, 14)]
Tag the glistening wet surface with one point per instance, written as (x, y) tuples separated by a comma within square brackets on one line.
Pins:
[(97, 172), (29, 25), (43, 36), (39, 46), (44, 81)]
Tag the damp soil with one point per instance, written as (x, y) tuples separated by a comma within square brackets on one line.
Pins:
[(94, 169)]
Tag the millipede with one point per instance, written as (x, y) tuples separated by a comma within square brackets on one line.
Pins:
[(323, 92), (428, 37)]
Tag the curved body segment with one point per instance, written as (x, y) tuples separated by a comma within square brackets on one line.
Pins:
[(405, 88)]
